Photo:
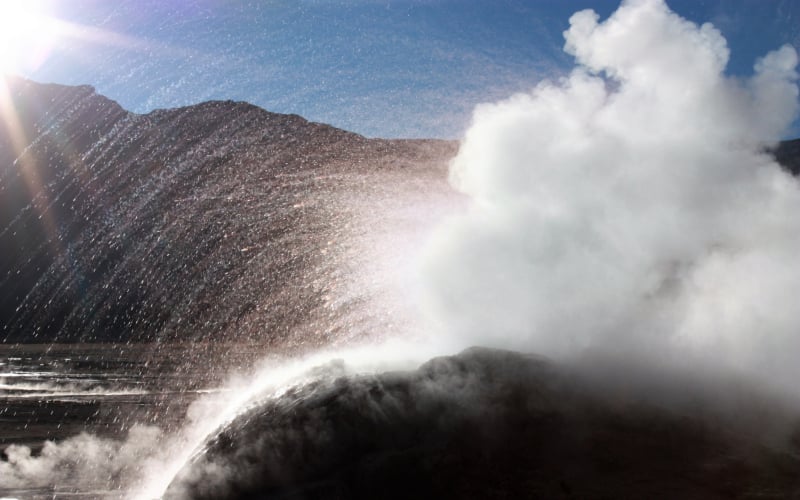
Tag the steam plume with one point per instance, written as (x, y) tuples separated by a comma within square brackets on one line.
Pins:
[(84, 461), (630, 206)]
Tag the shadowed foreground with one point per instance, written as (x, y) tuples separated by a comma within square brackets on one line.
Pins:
[(495, 424)]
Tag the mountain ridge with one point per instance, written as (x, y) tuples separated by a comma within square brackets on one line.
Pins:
[(129, 227)]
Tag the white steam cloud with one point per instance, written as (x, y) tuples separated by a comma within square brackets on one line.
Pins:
[(631, 206), (87, 462)]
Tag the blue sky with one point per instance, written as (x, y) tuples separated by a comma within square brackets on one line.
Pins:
[(390, 68)]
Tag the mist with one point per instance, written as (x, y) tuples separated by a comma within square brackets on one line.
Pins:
[(85, 461), (630, 207)]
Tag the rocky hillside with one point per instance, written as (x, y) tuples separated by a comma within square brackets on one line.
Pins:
[(216, 221)]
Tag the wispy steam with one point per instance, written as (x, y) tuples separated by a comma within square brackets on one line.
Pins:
[(84, 461), (630, 206)]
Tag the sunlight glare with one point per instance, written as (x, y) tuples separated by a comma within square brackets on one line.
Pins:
[(25, 35)]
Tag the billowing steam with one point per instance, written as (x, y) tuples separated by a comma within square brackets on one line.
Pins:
[(84, 461), (631, 206)]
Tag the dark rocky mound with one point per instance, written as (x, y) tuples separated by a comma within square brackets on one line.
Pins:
[(495, 424), (217, 221)]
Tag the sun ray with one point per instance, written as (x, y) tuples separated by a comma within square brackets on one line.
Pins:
[(30, 35), (10, 120), (24, 164)]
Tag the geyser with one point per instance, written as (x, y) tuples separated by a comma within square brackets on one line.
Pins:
[(631, 206)]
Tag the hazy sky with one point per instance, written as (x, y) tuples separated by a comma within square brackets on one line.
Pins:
[(391, 68)]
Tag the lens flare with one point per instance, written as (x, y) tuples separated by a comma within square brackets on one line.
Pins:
[(27, 33)]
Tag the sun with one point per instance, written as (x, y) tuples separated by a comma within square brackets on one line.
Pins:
[(26, 33)]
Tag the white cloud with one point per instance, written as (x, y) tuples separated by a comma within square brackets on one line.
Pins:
[(630, 205)]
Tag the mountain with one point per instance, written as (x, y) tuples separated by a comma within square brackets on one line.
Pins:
[(788, 154), (497, 424), (216, 221), (219, 221)]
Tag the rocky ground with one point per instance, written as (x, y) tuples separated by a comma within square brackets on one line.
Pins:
[(496, 424)]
